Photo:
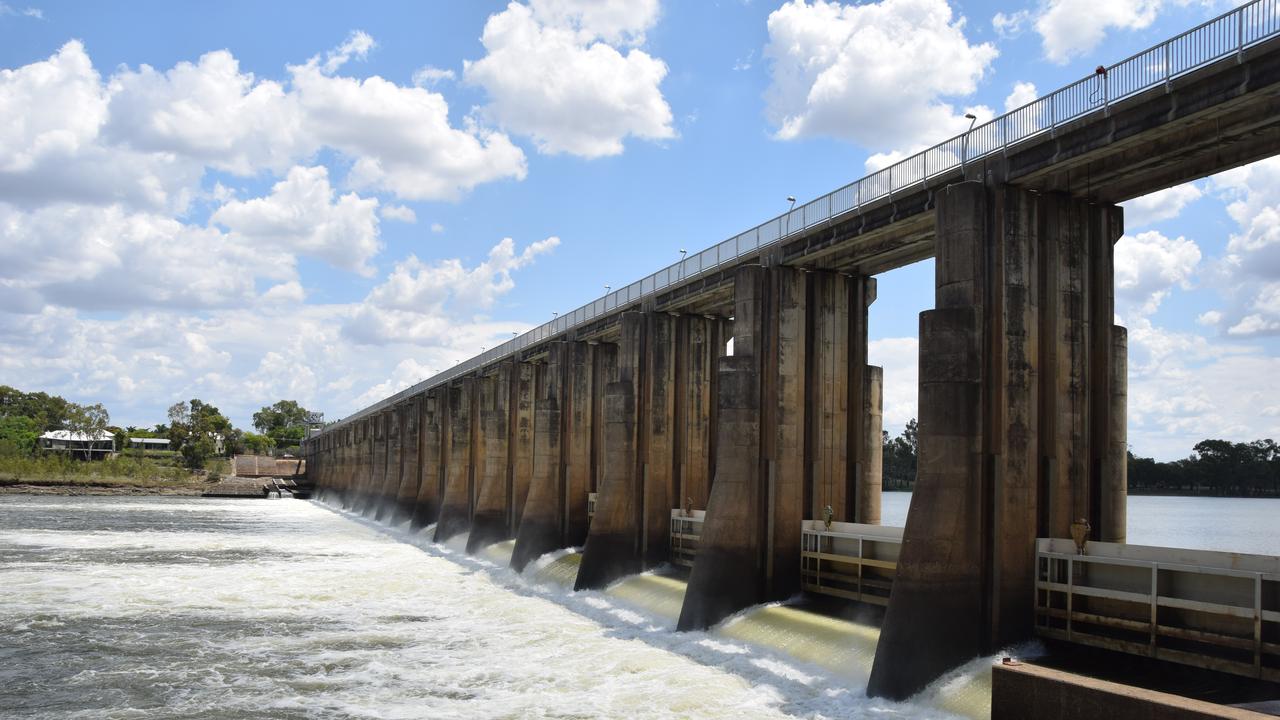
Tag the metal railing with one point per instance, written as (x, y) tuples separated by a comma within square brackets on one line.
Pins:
[(1207, 609), (1211, 41), (850, 560), (591, 507), (686, 532)]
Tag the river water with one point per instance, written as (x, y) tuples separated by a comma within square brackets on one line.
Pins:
[(181, 607)]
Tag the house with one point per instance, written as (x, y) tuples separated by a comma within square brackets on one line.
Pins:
[(94, 446), (149, 443)]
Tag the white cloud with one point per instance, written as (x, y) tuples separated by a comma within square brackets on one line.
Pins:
[(428, 76), (399, 213), (1248, 276), (1209, 318), (286, 292), (437, 228), (303, 215), (1023, 93), (553, 73), (875, 74), (1147, 267), (1010, 25), (1069, 28), (357, 45), (1158, 206), (418, 302)]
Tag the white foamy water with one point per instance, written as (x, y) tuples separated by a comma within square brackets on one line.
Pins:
[(156, 608)]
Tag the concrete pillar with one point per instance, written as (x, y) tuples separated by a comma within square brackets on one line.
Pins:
[(521, 425), (1115, 492), (700, 343), (410, 475), (728, 573), (378, 466), (489, 521), (783, 417), (455, 507), (613, 542), (1018, 422), (542, 522), (579, 441), (658, 431), (391, 479), (434, 431), (870, 479)]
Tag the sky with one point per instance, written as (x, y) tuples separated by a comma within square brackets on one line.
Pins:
[(330, 201)]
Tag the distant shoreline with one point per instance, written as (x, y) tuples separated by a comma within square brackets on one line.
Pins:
[(13, 486)]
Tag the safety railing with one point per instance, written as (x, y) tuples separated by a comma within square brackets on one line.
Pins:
[(686, 532), (849, 560), (1213, 610), (591, 507), (1213, 40)]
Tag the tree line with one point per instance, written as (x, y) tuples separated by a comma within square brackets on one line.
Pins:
[(196, 430), (1215, 467)]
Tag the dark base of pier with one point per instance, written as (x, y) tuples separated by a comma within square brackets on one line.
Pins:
[(486, 529), (453, 521), (536, 538), (607, 558), (720, 580)]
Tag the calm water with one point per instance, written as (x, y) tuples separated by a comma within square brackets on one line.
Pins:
[(173, 607)]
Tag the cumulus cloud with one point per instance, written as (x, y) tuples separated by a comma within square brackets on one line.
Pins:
[(399, 213), (418, 301), (1023, 93), (900, 359), (554, 72), (1147, 267), (1069, 28), (1158, 206), (876, 74), (357, 45), (428, 76)]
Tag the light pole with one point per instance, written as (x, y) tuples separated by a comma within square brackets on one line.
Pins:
[(680, 275), (791, 199), (964, 153)]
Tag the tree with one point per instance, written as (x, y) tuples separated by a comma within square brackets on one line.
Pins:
[(193, 427), (258, 444), (19, 435), (90, 421), (899, 459), (286, 422)]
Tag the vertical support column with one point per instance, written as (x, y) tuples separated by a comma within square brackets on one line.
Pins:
[(700, 344), (870, 479), (728, 574), (1115, 491), (431, 461), (455, 509), (391, 479), (613, 542), (658, 431), (937, 615), (783, 415), (829, 394), (378, 475), (520, 457), (541, 523), (410, 450), (579, 438), (489, 521)]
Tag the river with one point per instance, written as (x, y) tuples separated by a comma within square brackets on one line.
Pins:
[(179, 607)]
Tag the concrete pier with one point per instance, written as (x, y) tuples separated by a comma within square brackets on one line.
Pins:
[(542, 527), (1015, 429), (433, 426), (489, 520), (455, 505)]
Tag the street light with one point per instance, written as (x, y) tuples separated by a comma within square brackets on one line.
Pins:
[(791, 199), (680, 275), (964, 153)]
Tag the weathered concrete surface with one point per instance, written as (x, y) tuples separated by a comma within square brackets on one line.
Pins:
[(613, 542), (582, 386), (658, 431), (1029, 691), (1016, 411), (489, 520), (726, 574), (1115, 490), (455, 507), (377, 478), (870, 478), (700, 343), (524, 386), (542, 522), (410, 451), (433, 427), (390, 489)]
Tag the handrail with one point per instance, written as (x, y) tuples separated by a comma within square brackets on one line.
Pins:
[(1210, 41)]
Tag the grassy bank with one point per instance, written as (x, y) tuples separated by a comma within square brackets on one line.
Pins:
[(123, 474)]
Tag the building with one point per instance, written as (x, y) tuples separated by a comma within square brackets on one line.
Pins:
[(148, 443), (90, 446)]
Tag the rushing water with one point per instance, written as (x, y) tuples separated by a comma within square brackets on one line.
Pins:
[(174, 607)]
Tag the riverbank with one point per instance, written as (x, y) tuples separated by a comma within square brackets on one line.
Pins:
[(101, 486)]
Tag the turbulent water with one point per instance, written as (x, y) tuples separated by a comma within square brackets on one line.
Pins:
[(174, 607), (133, 608)]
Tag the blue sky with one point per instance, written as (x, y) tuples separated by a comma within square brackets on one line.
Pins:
[(244, 202)]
